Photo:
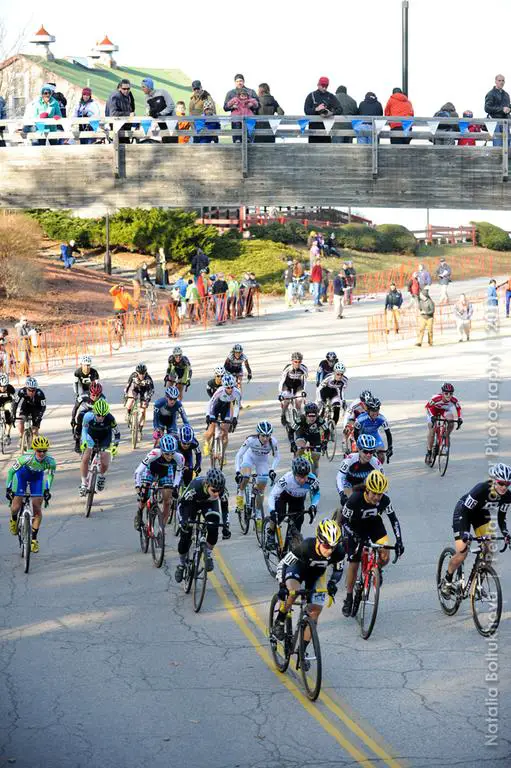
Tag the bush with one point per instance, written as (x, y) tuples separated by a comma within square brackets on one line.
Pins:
[(20, 240), (267, 259), (357, 237), (22, 277), (490, 236), (290, 233), (62, 225), (393, 238)]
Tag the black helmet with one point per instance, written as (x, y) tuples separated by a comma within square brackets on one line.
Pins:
[(141, 368), (366, 395), (311, 408), (215, 479), (331, 357), (300, 467), (373, 404)]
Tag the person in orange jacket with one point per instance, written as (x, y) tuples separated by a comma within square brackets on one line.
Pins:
[(122, 299), (398, 105)]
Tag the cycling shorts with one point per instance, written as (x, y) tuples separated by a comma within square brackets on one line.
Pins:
[(221, 411), (463, 519), (36, 416), (375, 531), (311, 580), (25, 476), (257, 464), (163, 482)]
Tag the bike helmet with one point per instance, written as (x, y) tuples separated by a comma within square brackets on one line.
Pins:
[(331, 357), (501, 472), (366, 443), (31, 383), (219, 370), (186, 434), (447, 388), (376, 482), (141, 368), (168, 444), (228, 380), (300, 466), (366, 395), (237, 348), (4, 379), (373, 404), (216, 479), (86, 360), (297, 356), (339, 367), (328, 532), (264, 428), (177, 352), (40, 443), (101, 407), (172, 393), (95, 390), (311, 408)]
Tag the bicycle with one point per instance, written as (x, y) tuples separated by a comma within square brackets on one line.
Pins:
[(92, 475), (152, 529), (272, 557), (27, 436), (331, 445), (117, 332), (134, 422), (309, 663), (482, 585), (24, 530), (250, 510), (441, 446), (3, 436), (217, 448), (196, 574), (297, 290), (349, 444), (367, 587)]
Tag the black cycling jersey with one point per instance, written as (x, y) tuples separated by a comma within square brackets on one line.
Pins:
[(140, 386), (24, 404), (83, 380), (197, 498), (324, 369), (234, 365), (312, 564), (158, 464), (475, 508), (7, 396), (212, 386), (101, 432), (358, 515), (179, 367), (313, 432), (293, 379)]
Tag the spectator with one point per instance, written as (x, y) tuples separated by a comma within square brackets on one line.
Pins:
[(325, 285), (414, 290), (463, 311), (3, 116), (492, 314), (507, 283), (233, 293), (497, 106), (66, 253), (239, 82), (87, 107), (143, 275), (199, 263), (198, 98), (321, 103), (393, 302), (59, 96), (219, 293), (159, 103), (471, 129), (46, 107), (298, 268), (22, 327), (250, 286), (242, 104), (349, 107), (183, 125), (161, 269), (312, 238), (268, 106), (448, 110), (288, 283), (192, 299), (423, 276), (369, 106), (398, 105), (316, 280), (443, 273), (210, 125), (330, 246), (339, 288), (121, 103), (351, 280), (426, 316), (202, 283), (314, 253)]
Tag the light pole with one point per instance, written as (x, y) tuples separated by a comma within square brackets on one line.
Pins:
[(404, 43)]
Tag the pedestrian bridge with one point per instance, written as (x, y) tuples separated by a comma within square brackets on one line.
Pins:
[(132, 162)]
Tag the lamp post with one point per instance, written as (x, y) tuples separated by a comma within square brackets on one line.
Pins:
[(404, 43)]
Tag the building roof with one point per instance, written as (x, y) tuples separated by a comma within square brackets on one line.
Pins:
[(106, 41), (42, 31)]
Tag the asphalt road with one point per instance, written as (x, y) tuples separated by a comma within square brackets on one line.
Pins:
[(104, 663)]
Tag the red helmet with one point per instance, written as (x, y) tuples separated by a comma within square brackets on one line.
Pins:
[(95, 390)]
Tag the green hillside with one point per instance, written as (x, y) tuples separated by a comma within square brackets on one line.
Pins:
[(103, 80)]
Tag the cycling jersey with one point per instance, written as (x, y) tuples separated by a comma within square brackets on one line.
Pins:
[(287, 485), (28, 470), (324, 369), (195, 501), (165, 415), (355, 409), (314, 432), (255, 454), (438, 407), (332, 389), (83, 380), (144, 387), (475, 509), (156, 465), (305, 561), (213, 385), (187, 454), (181, 368), (221, 401), (362, 521), (7, 396), (101, 433), (353, 472), (364, 425), (293, 379), (25, 405), (234, 365), (82, 406)]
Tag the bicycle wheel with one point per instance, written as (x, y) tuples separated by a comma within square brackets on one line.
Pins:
[(271, 556), (443, 454), (309, 655), (214, 452), (244, 513), (279, 651), (357, 597), (189, 573), (143, 533), (451, 603), (91, 490), (200, 577), (434, 452), (258, 523), (134, 428), (222, 455), (486, 600), (332, 441), (369, 603), (26, 536), (2, 436), (157, 537)]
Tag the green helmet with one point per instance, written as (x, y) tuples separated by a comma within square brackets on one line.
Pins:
[(101, 408)]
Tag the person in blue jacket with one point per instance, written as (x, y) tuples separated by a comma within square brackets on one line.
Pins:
[(166, 411)]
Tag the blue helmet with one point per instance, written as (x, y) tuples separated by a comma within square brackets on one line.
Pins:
[(186, 434), (172, 393), (168, 444), (366, 442)]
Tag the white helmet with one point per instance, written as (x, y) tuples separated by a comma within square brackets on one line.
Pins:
[(86, 360), (339, 367), (31, 383), (219, 370), (501, 472), (4, 379), (228, 380)]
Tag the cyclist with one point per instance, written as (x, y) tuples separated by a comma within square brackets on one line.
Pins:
[(369, 423), (82, 406), (355, 467), (311, 432), (84, 375), (326, 367), (7, 395), (474, 509), (254, 456), (205, 496), (216, 382), (180, 366), (442, 406), (234, 363), (165, 413), (292, 381), (166, 465), (354, 410), (140, 385), (29, 469), (29, 401), (288, 497), (332, 388), (362, 521), (188, 445), (224, 408), (307, 563), (99, 428)]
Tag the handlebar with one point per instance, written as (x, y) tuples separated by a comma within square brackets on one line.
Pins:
[(372, 545), (481, 539), (282, 398)]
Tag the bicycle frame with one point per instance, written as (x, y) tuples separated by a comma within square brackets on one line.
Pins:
[(482, 555)]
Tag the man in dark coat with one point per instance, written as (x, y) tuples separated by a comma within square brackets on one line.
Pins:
[(497, 106), (321, 103), (239, 82), (121, 103), (199, 262), (369, 106), (349, 107)]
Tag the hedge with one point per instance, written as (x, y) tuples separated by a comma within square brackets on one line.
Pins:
[(490, 236)]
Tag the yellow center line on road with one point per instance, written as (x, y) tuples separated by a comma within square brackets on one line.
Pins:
[(334, 708), (361, 758)]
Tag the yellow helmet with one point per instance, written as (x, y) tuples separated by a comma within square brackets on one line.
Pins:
[(328, 532), (40, 443), (376, 482)]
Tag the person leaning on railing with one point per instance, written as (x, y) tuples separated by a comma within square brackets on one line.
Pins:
[(497, 105)]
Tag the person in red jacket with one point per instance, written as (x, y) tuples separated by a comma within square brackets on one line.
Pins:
[(471, 129), (398, 105), (316, 280)]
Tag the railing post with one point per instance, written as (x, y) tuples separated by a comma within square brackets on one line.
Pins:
[(374, 148), (505, 150), (244, 149)]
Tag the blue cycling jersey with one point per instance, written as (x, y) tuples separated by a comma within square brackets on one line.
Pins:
[(368, 426)]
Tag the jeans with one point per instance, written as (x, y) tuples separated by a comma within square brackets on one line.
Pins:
[(508, 301), (316, 288)]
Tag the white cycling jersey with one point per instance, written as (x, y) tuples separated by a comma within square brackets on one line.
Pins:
[(330, 382), (353, 411), (255, 454), (352, 471), (224, 397), (293, 379), (287, 483)]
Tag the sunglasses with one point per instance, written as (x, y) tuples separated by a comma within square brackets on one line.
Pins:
[(503, 483), (369, 453), (125, 89)]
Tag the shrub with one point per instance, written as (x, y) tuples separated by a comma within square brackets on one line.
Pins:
[(62, 225), (292, 232), (20, 240), (393, 238), (357, 237), (22, 277), (264, 257), (490, 236)]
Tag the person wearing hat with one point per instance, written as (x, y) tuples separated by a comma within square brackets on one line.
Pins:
[(426, 316), (471, 128), (369, 106), (234, 93), (198, 98), (87, 107), (66, 253), (44, 108), (443, 273), (324, 104), (159, 103)]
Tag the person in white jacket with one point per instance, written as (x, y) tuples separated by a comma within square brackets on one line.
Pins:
[(463, 311)]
